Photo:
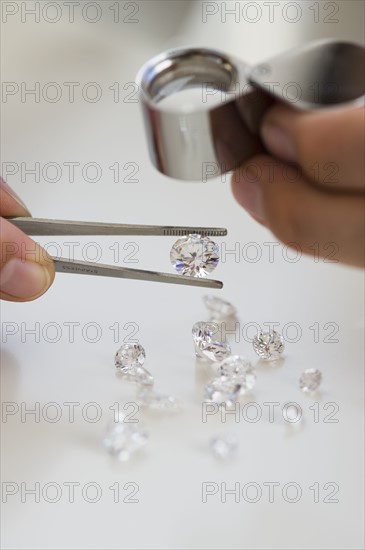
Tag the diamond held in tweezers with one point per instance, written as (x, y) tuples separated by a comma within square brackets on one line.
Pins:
[(194, 255)]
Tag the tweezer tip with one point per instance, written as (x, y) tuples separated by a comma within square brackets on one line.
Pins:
[(213, 284)]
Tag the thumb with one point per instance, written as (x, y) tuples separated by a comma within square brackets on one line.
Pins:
[(26, 270)]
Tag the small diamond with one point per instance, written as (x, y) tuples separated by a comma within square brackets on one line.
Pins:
[(194, 255), (205, 346), (123, 440), (219, 309), (238, 367), (310, 380), (204, 331), (236, 376), (129, 356), (268, 345), (223, 389), (158, 402), (215, 351), (224, 446)]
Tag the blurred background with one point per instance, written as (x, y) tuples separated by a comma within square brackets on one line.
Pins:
[(73, 147)]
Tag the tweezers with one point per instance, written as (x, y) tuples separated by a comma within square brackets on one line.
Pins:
[(45, 227)]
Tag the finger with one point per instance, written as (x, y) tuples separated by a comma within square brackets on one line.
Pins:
[(26, 270), (10, 203), (329, 146), (299, 213)]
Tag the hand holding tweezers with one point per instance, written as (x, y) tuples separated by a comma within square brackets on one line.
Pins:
[(45, 227)]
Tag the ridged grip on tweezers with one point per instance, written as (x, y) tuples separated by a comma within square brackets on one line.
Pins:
[(37, 226)]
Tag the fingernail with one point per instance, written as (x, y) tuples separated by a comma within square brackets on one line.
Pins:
[(5, 187), (23, 279), (248, 193), (278, 142)]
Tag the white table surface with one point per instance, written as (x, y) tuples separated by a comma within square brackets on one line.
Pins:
[(170, 473)]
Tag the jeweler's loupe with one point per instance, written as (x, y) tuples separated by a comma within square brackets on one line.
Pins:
[(202, 109)]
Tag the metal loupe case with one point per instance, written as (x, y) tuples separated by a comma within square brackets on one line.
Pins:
[(218, 129)]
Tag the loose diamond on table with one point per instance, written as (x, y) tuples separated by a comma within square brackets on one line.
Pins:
[(238, 368), (204, 331), (223, 390), (207, 346), (129, 356), (268, 345), (310, 380), (123, 440), (224, 446), (220, 310), (194, 255), (158, 402), (235, 377), (214, 351)]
